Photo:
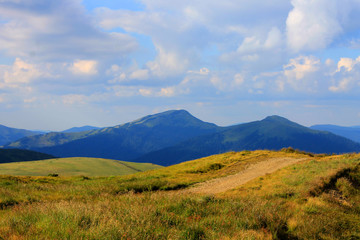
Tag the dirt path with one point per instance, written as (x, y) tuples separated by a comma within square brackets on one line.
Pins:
[(253, 171)]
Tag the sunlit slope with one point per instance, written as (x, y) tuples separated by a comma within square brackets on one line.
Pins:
[(318, 197), (74, 167)]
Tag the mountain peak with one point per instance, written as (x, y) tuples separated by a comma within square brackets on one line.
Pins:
[(276, 118), (171, 117)]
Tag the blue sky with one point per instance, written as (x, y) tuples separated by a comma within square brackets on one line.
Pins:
[(70, 63)]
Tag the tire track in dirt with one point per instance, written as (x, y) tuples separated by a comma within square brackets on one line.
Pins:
[(224, 184)]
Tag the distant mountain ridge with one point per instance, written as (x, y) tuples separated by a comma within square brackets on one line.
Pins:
[(123, 142), (175, 136), (80, 129), (8, 135), (352, 133), (273, 133)]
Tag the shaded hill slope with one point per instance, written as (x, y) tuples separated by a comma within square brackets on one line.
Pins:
[(272, 133), (8, 134), (123, 142), (74, 167), (352, 133), (20, 155)]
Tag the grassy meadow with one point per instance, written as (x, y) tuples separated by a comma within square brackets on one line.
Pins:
[(74, 167), (317, 198)]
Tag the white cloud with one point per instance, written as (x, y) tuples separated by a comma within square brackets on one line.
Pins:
[(313, 25), (202, 71), (301, 74), (347, 76), (21, 74), (182, 31), (72, 99), (124, 91), (30, 100), (168, 92), (141, 74), (239, 79), (57, 31), (161, 92), (84, 67), (342, 86), (146, 92), (167, 63), (274, 39), (299, 67), (347, 63)]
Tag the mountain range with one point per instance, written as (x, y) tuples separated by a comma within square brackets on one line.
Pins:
[(175, 136), (122, 142), (272, 133), (8, 135), (352, 133)]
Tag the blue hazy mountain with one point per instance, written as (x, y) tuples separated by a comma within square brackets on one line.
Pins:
[(273, 133), (352, 133), (175, 136), (8, 134), (123, 142)]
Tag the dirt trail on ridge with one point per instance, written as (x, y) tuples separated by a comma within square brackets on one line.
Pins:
[(224, 184)]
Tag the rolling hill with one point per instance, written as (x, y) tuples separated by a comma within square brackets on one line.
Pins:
[(313, 197), (8, 135), (272, 133), (80, 129), (352, 133), (20, 155), (74, 167), (122, 142)]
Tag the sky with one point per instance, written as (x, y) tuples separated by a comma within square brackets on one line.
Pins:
[(69, 63)]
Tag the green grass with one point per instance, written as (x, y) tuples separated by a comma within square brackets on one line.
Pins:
[(74, 167), (318, 198)]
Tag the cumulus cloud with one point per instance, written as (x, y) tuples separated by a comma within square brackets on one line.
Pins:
[(84, 67), (189, 51), (141, 74), (299, 67), (347, 64), (347, 75), (182, 31), (56, 31), (238, 79), (313, 25), (20, 74)]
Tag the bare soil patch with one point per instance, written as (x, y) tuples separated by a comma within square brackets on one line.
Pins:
[(224, 184)]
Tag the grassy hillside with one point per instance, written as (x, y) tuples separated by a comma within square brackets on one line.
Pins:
[(74, 167), (19, 155), (317, 198)]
